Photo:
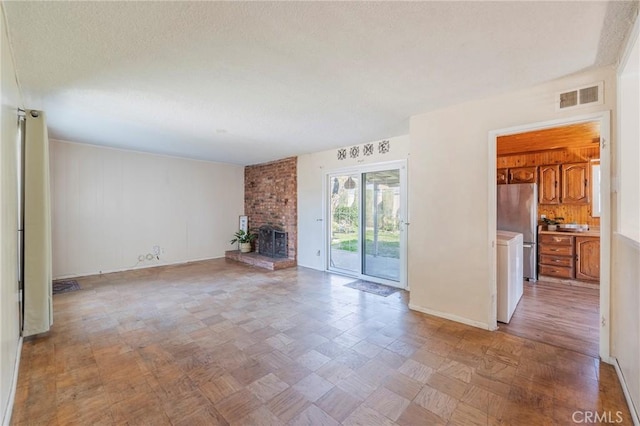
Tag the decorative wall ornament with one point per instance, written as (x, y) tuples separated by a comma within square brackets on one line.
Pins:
[(383, 147), (367, 150)]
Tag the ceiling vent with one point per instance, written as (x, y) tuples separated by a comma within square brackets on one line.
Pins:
[(581, 96)]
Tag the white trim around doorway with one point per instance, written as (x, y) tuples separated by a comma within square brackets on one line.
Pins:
[(604, 118)]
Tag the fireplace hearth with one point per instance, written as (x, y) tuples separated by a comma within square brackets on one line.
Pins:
[(272, 241)]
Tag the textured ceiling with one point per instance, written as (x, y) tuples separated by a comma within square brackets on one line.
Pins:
[(246, 82)]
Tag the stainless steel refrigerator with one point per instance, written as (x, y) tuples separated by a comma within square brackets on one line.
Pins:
[(518, 212)]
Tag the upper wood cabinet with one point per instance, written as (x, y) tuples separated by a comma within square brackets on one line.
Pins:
[(557, 183), (523, 175), (502, 176), (575, 183), (549, 185), (588, 258), (517, 175)]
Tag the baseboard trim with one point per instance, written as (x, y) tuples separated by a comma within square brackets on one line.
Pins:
[(134, 268), (451, 317), (14, 386), (625, 390)]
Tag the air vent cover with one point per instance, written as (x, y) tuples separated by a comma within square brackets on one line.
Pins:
[(589, 95), (568, 99), (581, 96)]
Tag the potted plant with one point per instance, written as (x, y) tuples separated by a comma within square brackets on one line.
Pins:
[(243, 238), (552, 223)]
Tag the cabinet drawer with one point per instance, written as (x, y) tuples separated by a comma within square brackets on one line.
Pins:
[(566, 261), (556, 250), (556, 271), (564, 240)]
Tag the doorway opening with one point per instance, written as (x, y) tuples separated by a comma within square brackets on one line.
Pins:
[(366, 235), (567, 306)]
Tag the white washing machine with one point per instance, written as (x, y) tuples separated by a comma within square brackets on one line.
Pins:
[(509, 273)]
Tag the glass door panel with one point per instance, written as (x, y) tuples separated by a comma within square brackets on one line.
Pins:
[(344, 251), (381, 223)]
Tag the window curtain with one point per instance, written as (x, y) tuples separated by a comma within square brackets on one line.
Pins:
[(38, 309)]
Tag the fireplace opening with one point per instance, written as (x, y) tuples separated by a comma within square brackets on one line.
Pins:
[(272, 241)]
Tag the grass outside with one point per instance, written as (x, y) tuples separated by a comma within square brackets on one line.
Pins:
[(388, 243)]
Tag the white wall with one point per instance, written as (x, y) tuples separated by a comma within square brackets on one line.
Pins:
[(38, 300), (9, 317), (625, 303), (629, 146), (452, 258), (111, 206), (625, 280), (312, 169)]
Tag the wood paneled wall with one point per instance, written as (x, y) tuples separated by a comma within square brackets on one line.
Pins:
[(555, 156), (569, 144), (571, 213), (573, 136)]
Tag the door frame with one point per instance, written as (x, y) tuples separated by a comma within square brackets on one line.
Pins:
[(401, 165), (604, 118)]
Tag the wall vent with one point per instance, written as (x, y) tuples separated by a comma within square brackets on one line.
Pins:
[(580, 96)]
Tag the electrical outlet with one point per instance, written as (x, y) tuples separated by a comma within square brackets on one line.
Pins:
[(543, 216), (156, 250)]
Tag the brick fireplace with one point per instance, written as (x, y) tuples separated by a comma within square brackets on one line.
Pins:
[(271, 199)]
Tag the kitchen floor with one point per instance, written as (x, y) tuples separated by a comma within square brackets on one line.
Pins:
[(558, 314), (218, 342)]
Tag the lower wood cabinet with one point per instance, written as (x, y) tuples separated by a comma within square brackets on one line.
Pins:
[(588, 258), (569, 257), (556, 256)]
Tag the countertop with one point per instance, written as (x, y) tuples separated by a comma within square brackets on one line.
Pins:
[(592, 232)]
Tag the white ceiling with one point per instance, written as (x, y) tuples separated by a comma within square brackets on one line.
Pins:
[(247, 82)]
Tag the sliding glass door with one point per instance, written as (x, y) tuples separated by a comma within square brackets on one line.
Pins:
[(367, 237), (381, 220), (344, 253)]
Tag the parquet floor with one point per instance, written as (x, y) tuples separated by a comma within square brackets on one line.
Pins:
[(558, 314), (218, 342)]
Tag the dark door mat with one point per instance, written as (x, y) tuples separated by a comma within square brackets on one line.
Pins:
[(369, 287), (65, 286)]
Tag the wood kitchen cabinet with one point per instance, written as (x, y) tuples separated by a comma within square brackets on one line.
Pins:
[(575, 183), (588, 258), (549, 184), (502, 176), (523, 175), (557, 184), (517, 175), (569, 257), (556, 256)]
